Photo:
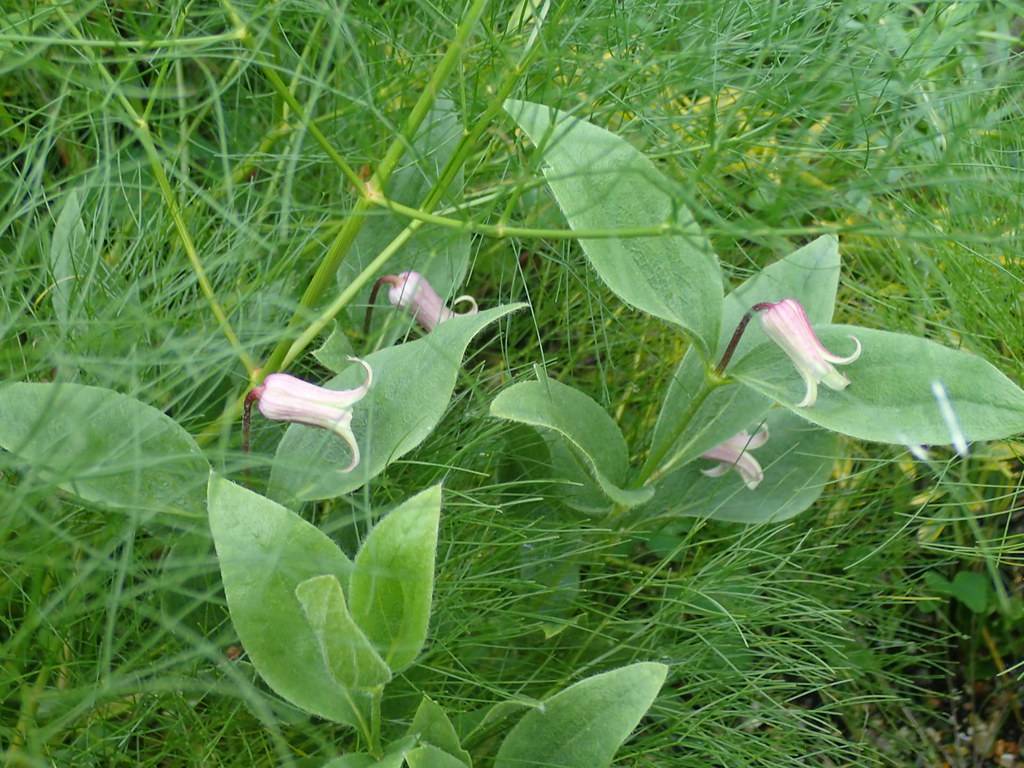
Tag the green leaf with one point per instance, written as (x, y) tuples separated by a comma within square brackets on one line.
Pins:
[(972, 589), (577, 487), (429, 756), (602, 182), (265, 553), (412, 385), (432, 726), (346, 650), (797, 462), (890, 398), (938, 583), (104, 447), (811, 276), (393, 579), (591, 433), (190, 593), (69, 237), (333, 354), (584, 725), (474, 726), (440, 254)]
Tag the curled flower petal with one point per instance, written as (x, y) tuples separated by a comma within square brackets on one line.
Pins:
[(734, 453), (716, 471), (787, 324), (760, 438), (473, 309)]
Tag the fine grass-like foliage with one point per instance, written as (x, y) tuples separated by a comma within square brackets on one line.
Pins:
[(173, 180)]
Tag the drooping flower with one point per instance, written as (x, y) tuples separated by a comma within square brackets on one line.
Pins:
[(734, 453), (285, 398), (411, 291), (787, 324)]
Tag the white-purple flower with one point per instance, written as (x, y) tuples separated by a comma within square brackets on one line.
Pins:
[(787, 324), (285, 398), (734, 453), (411, 291)]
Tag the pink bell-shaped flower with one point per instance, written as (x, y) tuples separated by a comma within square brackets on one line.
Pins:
[(411, 291), (282, 397), (734, 453), (787, 324)]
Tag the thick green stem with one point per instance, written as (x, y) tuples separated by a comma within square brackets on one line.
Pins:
[(654, 467), (350, 228), (502, 231), (243, 34), (346, 296), (236, 408), (470, 139), (375, 745), (342, 244), (321, 280)]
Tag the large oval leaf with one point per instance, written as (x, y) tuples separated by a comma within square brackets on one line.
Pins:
[(584, 725), (811, 275), (412, 384), (589, 431), (265, 553), (104, 447), (602, 182), (891, 397), (440, 254), (393, 579), (797, 462)]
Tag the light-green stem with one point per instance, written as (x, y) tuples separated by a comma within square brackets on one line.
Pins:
[(365, 729), (350, 228), (242, 32), (342, 244), (346, 296), (299, 345), (654, 468), (198, 41), (502, 231), (375, 745)]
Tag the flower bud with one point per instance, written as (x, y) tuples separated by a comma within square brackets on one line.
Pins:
[(411, 292)]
